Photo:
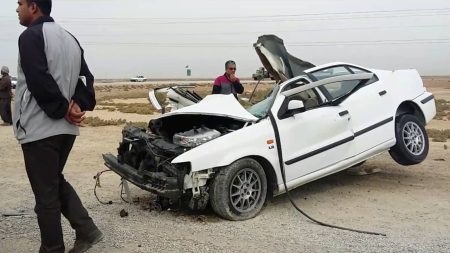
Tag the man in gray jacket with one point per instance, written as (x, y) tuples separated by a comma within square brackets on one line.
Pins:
[(54, 89)]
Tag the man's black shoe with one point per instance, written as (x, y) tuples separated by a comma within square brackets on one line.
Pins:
[(83, 244)]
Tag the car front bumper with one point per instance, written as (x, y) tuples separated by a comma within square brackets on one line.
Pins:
[(156, 182)]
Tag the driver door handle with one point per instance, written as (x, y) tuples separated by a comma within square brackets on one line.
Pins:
[(382, 93), (343, 113)]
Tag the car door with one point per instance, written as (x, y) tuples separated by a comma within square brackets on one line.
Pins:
[(372, 115), (369, 104), (315, 138)]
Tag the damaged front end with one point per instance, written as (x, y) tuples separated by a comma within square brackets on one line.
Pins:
[(145, 156), (144, 160)]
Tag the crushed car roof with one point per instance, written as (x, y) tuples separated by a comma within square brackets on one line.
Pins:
[(276, 59), (216, 105)]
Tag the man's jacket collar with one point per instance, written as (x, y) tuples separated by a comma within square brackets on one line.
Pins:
[(42, 19)]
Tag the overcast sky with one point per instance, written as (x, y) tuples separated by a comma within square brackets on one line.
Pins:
[(158, 38)]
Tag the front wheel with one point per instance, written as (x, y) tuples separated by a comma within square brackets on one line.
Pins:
[(412, 141), (239, 190)]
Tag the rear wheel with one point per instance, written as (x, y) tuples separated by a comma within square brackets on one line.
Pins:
[(412, 141), (238, 191)]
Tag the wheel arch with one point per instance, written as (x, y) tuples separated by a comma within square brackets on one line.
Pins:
[(271, 176), (409, 107)]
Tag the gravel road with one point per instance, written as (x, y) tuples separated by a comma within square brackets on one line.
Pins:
[(410, 204)]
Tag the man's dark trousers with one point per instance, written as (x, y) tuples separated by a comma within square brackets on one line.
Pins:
[(5, 110), (44, 162)]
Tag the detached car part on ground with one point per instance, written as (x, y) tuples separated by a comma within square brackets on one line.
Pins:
[(328, 118)]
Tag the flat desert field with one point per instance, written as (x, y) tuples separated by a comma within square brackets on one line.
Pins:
[(409, 204)]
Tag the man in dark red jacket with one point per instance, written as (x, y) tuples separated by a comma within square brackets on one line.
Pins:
[(5, 96), (228, 83)]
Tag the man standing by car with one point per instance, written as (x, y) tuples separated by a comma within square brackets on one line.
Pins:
[(54, 89), (5, 96), (228, 83)]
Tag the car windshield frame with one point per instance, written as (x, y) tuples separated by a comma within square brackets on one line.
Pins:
[(262, 108)]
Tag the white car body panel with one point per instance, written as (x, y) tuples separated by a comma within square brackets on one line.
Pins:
[(248, 141), (316, 121), (428, 108), (368, 126), (138, 79), (218, 105), (313, 129), (342, 165)]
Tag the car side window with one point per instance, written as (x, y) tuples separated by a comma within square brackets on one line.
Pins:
[(330, 72), (357, 70), (339, 89), (336, 90), (296, 84), (309, 97)]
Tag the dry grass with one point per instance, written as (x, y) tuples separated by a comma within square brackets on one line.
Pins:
[(122, 94), (96, 122), (109, 92), (143, 125), (439, 135), (442, 109), (138, 108)]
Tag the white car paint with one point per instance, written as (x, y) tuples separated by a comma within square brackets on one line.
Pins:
[(138, 79), (219, 105), (365, 119), (174, 99)]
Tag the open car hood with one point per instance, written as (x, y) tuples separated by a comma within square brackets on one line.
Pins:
[(275, 58), (216, 105)]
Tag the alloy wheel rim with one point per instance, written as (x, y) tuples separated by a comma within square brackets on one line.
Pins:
[(245, 190), (413, 138)]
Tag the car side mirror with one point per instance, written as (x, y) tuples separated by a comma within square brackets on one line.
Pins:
[(290, 108), (296, 106)]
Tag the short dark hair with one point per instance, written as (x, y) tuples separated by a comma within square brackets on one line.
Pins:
[(229, 62), (44, 5)]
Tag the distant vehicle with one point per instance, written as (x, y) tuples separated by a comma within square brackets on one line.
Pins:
[(138, 79), (261, 73), (13, 82)]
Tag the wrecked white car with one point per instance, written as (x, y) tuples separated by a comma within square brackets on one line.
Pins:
[(316, 121)]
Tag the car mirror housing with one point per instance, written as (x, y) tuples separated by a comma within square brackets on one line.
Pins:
[(296, 106)]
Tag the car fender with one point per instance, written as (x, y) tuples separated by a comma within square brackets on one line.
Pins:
[(407, 86), (253, 140), (427, 105)]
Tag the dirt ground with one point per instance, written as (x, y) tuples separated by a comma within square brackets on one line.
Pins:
[(410, 204)]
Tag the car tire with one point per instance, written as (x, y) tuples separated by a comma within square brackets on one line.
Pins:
[(412, 141), (238, 191)]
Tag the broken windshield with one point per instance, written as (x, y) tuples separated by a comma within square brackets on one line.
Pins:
[(261, 108)]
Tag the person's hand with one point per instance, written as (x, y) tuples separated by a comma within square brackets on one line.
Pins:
[(74, 114), (233, 77)]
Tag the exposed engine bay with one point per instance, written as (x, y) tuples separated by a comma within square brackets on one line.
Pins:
[(147, 155)]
